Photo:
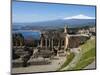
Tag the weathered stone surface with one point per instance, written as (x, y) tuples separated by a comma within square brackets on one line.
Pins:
[(76, 40), (17, 63), (39, 61)]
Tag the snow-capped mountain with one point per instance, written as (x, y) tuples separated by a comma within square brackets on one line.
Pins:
[(73, 21), (79, 17)]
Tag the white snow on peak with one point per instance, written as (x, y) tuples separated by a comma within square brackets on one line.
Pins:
[(79, 17)]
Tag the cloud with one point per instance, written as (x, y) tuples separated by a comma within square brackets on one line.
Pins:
[(80, 16)]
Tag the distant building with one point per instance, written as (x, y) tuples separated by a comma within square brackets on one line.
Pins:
[(83, 31), (92, 29)]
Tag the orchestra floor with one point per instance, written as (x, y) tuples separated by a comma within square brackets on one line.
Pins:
[(56, 63)]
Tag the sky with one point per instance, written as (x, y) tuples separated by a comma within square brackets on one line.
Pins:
[(23, 12)]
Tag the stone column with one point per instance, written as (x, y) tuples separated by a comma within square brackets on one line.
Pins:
[(49, 43), (41, 42), (46, 43), (38, 44), (52, 43), (65, 42), (20, 43), (59, 44)]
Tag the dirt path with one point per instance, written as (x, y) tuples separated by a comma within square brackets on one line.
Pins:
[(74, 61)]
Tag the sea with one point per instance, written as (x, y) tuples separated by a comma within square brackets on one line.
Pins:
[(29, 34)]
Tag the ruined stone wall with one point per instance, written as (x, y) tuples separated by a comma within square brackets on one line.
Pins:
[(76, 41)]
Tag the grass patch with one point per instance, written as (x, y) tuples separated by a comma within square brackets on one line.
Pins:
[(88, 45), (68, 60), (88, 55), (84, 63)]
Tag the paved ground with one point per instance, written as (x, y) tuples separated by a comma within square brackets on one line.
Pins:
[(41, 68), (91, 66)]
